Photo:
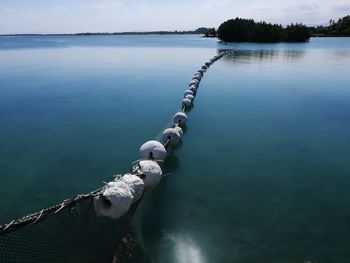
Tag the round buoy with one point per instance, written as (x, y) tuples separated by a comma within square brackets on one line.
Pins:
[(193, 82), (179, 130), (188, 92), (180, 117), (190, 97), (135, 183), (172, 135), (153, 150), (151, 173), (186, 102), (193, 89), (114, 200)]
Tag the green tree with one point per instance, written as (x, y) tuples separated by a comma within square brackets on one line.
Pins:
[(341, 27), (247, 30), (211, 32), (296, 33)]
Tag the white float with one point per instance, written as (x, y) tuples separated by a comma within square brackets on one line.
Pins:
[(180, 117), (172, 135), (188, 92), (193, 89), (179, 130), (186, 102), (193, 82), (152, 173), (190, 97), (114, 201), (153, 149), (135, 183)]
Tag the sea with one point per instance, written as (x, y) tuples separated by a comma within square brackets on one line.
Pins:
[(263, 170)]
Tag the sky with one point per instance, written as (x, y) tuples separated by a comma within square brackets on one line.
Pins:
[(72, 16)]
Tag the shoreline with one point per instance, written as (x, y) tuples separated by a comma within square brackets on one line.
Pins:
[(109, 34), (133, 34)]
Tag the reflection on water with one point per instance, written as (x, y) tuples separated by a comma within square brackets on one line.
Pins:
[(261, 55), (341, 54)]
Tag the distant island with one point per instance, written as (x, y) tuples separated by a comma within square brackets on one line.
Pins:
[(247, 30)]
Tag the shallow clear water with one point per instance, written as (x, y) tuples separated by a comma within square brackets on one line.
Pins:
[(262, 174)]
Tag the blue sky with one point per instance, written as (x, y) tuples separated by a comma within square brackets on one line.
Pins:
[(64, 16)]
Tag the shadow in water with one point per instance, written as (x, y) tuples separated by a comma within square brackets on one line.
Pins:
[(172, 164), (184, 129), (341, 54)]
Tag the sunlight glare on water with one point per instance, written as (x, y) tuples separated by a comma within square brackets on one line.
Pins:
[(186, 250)]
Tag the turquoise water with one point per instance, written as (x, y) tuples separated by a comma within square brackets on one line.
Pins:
[(262, 174)]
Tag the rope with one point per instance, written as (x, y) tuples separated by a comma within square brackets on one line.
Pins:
[(45, 213), (166, 143)]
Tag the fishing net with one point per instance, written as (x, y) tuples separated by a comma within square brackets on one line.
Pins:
[(73, 234)]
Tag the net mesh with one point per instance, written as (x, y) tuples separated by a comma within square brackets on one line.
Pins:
[(74, 234)]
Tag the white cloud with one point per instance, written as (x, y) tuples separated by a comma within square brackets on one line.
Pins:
[(302, 7)]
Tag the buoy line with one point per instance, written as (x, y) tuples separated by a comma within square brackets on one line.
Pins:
[(116, 197)]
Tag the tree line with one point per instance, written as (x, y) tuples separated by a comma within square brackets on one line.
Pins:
[(247, 30), (335, 28)]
